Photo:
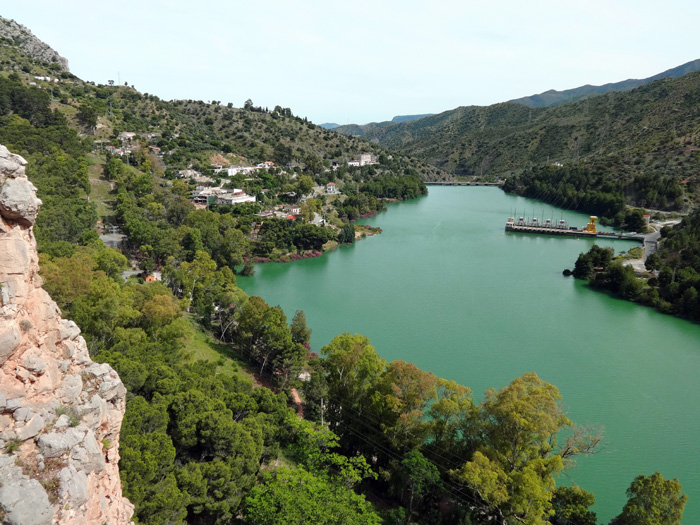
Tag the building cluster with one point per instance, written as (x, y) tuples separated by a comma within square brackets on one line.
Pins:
[(243, 170), (203, 196), (118, 151), (364, 159), (126, 137), (128, 144)]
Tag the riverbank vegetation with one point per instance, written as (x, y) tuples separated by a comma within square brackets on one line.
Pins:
[(591, 190), (673, 279), (200, 443)]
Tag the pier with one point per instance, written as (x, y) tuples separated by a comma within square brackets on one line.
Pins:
[(561, 228)]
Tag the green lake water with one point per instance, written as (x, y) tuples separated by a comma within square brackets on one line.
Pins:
[(444, 287)]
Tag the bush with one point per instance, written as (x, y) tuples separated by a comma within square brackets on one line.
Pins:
[(74, 416)]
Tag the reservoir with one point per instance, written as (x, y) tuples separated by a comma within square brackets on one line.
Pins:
[(446, 288)]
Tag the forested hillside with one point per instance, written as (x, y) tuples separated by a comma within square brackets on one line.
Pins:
[(673, 280), (648, 134), (214, 431)]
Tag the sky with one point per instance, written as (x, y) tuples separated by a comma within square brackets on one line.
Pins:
[(362, 61)]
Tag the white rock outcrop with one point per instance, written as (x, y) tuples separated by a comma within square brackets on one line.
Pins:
[(60, 412), (30, 44)]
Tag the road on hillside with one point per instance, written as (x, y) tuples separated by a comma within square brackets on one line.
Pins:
[(651, 243)]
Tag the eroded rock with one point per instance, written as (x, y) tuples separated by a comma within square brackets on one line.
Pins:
[(23, 499), (18, 201), (54, 418)]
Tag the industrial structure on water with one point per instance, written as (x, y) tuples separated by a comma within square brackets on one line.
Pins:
[(522, 225)]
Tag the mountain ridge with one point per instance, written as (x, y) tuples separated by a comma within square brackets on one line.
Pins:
[(553, 97), (646, 132), (547, 98), (17, 35)]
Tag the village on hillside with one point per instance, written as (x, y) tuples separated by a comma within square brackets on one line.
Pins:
[(264, 191), (213, 188)]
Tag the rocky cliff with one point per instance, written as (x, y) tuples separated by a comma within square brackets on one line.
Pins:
[(22, 37), (60, 412)]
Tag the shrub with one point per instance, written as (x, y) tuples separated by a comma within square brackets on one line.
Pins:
[(74, 416), (13, 445)]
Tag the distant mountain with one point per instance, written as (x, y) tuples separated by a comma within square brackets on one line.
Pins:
[(359, 130), (554, 98), (329, 125), (542, 100), (404, 118), (648, 132)]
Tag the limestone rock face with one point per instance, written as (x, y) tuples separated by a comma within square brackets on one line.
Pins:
[(18, 201), (60, 412), (31, 45)]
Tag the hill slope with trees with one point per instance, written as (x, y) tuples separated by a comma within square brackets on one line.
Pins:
[(650, 133)]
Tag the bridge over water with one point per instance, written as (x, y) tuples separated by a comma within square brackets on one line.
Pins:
[(457, 183)]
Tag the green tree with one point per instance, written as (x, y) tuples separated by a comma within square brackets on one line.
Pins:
[(276, 339), (112, 262), (352, 369), (452, 420), (100, 312), (653, 500), (313, 446), (513, 470), (304, 185), (653, 262), (301, 333), (67, 278), (233, 248), (401, 398), (419, 474), (87, 115), (250, 321), (347, 234), (191, 279), (571, 506), (113, 168), (298, 497)]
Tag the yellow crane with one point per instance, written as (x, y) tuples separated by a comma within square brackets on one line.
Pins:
[(591, 226)]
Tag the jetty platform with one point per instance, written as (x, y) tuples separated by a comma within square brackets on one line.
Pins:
[(561, 228)]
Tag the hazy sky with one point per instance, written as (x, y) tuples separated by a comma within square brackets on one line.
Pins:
[(360, 61)]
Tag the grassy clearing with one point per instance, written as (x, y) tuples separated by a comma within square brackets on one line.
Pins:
[(205, 346), (100, 190), (633, 253), (102, 198)]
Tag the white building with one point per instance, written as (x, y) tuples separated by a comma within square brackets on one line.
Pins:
[(292, 209), (237, 197), (364, 159)]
